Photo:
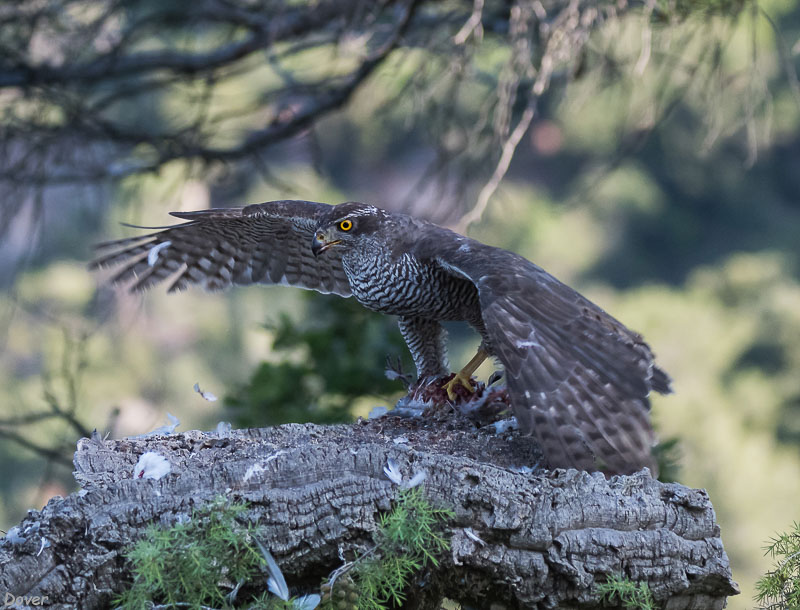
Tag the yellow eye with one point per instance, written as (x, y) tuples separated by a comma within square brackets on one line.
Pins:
[(346, 225)]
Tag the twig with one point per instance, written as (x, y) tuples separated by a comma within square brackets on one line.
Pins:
[(509, 148), (473, 24), (349, 565), (55, 454)]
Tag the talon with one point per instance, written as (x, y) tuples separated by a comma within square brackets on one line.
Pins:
[(465, 375), (461, 378)]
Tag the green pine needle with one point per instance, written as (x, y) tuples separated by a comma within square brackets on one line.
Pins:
[(410, 537), (188, 562), (632, 596), (779, 589)]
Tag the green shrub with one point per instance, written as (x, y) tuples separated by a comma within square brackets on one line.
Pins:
[(409, 538), (779, 589), (631, 595), (188, 562)]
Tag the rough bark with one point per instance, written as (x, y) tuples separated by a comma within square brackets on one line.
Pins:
[(317, 491)]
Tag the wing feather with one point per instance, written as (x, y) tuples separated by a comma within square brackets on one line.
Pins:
[(578, 379), (267, 243)]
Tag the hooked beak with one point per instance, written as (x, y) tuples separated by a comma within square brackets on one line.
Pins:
[(321, 243)]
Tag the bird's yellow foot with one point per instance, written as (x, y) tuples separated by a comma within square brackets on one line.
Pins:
[(465, 375), (463, 379)]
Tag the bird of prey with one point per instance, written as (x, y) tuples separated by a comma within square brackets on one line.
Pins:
[(578, 379)]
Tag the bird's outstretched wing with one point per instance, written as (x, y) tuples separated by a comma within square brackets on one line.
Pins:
[(578, 379), (268, 243)]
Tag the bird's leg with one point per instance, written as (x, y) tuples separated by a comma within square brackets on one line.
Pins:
[(464, 375), (426, 340)]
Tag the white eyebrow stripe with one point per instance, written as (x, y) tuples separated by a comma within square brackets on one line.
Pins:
[(357, 213)]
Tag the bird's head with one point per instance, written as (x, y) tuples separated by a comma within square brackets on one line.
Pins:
[(346, 225)]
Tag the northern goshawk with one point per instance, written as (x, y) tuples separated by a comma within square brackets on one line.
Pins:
[(577, 378)]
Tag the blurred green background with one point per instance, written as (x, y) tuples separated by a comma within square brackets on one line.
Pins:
[(664, 185)]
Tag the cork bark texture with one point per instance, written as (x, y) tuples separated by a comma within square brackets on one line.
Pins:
[(546, 537)]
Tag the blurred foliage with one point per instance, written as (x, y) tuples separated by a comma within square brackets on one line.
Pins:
[(337, 353)]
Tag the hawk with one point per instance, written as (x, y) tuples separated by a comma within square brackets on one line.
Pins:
[(577, 378)]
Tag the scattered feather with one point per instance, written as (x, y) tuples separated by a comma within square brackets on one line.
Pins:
[(14, 537), (169, 428), (45, 544), (151, 465), (207, 395), (494, 378), (276, 583), (231, 597), (275, 455), (417, 479), (409, 406), (377, 412), (307, 602), (473, 536), (394, 371), (392, 472), (223, 429), (400, 440), (96, 439), (523, 469), (152, 255), (252, 471), (17, 535), (505, 425)]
